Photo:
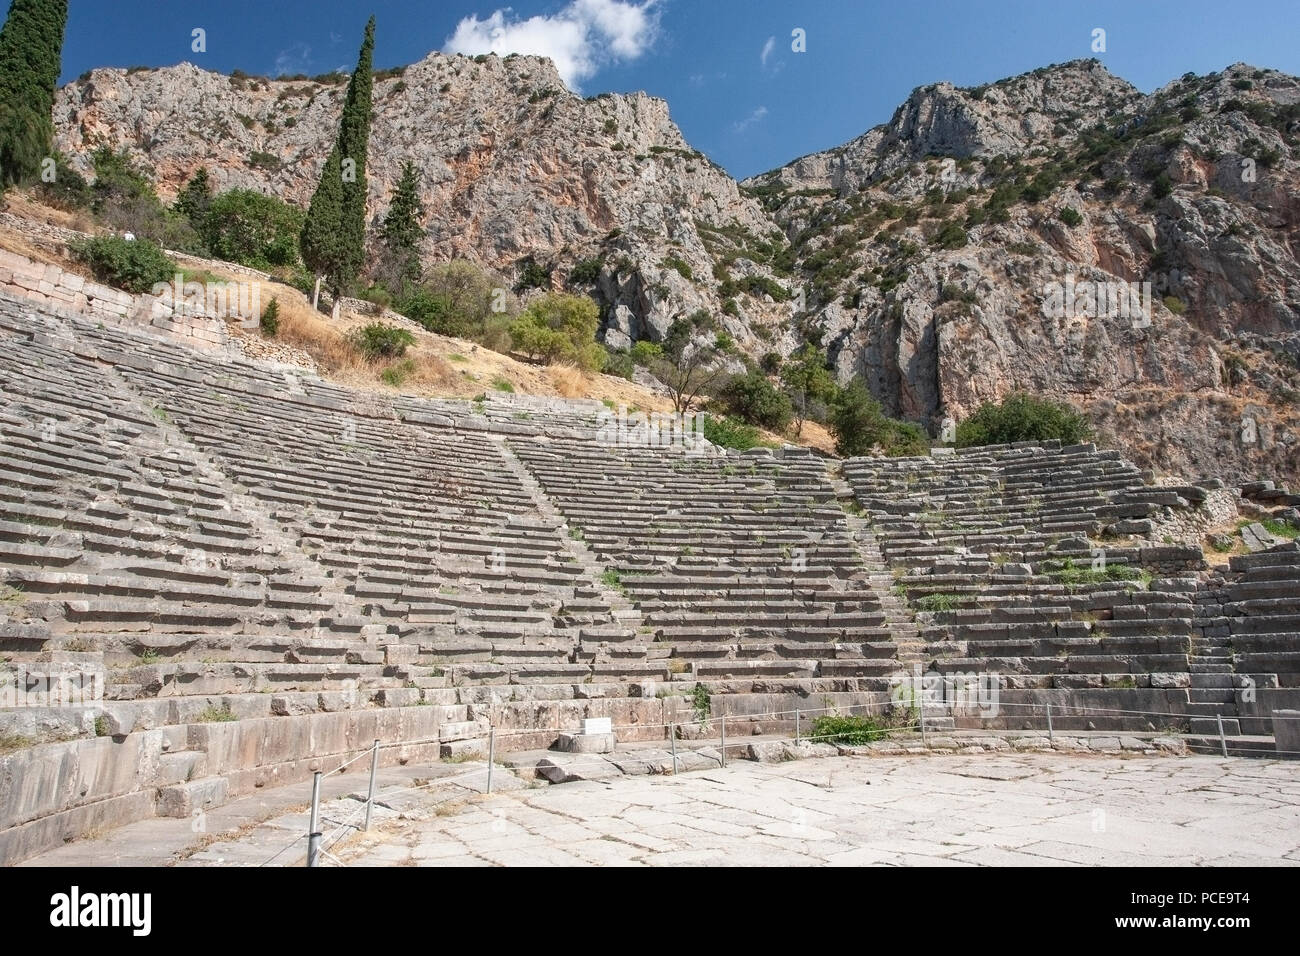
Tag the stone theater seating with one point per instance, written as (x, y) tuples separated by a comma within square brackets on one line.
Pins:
[(266, 572)]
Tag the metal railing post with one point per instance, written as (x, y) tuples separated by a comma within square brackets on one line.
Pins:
[(724, 740), (672, 737), (1223, 741), (492, 753), (370, 796), (313, 827), (796, 726), (1051, 739)]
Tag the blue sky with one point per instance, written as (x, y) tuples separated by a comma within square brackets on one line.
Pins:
[(726, 67)]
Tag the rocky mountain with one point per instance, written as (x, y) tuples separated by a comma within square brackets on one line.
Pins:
[(941, 250), (949, 256), (514, 167)]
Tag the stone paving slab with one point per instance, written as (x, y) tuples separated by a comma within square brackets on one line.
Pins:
[(859, 809), (941, 810)]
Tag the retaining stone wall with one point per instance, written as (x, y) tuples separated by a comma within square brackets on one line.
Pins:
[(65, 292)]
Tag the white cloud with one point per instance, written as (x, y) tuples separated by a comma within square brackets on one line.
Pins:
[(581, 38), (755, 117), (768, 49), (296, 59)]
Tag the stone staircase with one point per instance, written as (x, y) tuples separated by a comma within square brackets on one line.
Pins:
[(898, 616)]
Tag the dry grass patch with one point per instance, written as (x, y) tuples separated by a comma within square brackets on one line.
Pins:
[(26, 206)]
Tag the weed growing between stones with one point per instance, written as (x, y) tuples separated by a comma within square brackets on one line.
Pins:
[(215, 715), (701, 703), (855, 731)]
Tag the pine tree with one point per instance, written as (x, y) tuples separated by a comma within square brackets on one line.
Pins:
[(31, 48), (401, 230), (334, 235)]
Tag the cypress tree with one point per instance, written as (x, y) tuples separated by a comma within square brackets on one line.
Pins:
[(31, 49), (193, 200), (334, 235), (401, 230)]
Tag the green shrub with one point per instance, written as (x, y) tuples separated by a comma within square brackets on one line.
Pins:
[(533, 276), (1162, 186), (619, 362), (586, 271), (377, 296), (270, 321), (1066, 572), (1175, 305), (859, 426), (378, 340), (69, 190), (251, 228), (430, 309), (679, 266), (397, 375), (1279, 527), (644, 352), (215, 715), (951, 236), (729, 433), (264, 160), (951, 292), (123, 199), (701, 702), (559, 328), (1023, 417), (503, 384), (135, 266), (762, 285), (117, 182), (1041, 186), (1070, 216), (454, 298), (755, 400), (853, 731), (937, 602)]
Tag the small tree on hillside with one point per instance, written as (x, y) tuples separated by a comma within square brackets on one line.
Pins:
[(686, 365), (859, 426), (808, 383), (243, 225), (559, 328), (753, 399)]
